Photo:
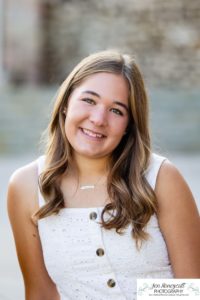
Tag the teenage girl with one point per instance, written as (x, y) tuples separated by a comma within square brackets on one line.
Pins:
[(100, 209)]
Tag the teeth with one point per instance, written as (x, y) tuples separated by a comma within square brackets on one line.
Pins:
[(92, 134)]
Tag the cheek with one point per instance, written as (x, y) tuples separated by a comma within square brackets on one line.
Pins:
[(71, 117), (68, 127), (72, 122), (119, 126)]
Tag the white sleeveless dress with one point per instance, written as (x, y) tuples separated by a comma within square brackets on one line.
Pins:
[(88, 262)]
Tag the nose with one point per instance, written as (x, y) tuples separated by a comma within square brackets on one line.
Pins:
[(99, 117)]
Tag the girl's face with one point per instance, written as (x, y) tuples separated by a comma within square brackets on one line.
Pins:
[(97, 115)]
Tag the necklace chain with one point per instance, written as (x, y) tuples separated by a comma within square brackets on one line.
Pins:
[(91, 186)]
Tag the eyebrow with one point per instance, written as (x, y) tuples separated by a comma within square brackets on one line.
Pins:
[(115, 101)]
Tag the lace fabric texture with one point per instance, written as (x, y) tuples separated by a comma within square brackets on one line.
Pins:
[(88, 262)]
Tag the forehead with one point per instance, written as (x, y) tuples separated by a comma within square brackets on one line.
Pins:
[(108, 85)]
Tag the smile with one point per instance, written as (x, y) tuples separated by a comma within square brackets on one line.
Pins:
[(92, 134)]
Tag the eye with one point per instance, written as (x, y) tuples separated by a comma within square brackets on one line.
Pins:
[(88, 100), (117, 111)]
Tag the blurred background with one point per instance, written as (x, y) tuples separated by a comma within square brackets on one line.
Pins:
[(41, 41)]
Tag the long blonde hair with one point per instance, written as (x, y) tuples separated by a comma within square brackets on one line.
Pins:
[(132, 198)]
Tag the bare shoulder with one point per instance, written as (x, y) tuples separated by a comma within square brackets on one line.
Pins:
[(179, 221), (23, 187), (172, 190), (24, 174)]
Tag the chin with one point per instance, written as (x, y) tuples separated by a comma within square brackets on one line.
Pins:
[(91, 154)]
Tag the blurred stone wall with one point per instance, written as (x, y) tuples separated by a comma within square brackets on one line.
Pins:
[(21, 48), (163, 35), (45, 39)]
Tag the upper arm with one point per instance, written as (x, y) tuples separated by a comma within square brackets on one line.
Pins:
[(22, 203), (179, 222)]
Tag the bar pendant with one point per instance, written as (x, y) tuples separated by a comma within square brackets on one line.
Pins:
[(87, 187)]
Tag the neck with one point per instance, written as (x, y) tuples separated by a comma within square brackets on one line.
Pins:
[(90, 169)]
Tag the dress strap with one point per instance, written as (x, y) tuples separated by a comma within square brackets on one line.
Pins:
[(153, 169), (40, 164)]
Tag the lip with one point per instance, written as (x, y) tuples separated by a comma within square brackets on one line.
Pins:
[(92, 134)]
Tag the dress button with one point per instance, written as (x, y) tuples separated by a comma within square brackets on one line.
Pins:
[(111, 283), (93, 215), (100, 252)]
